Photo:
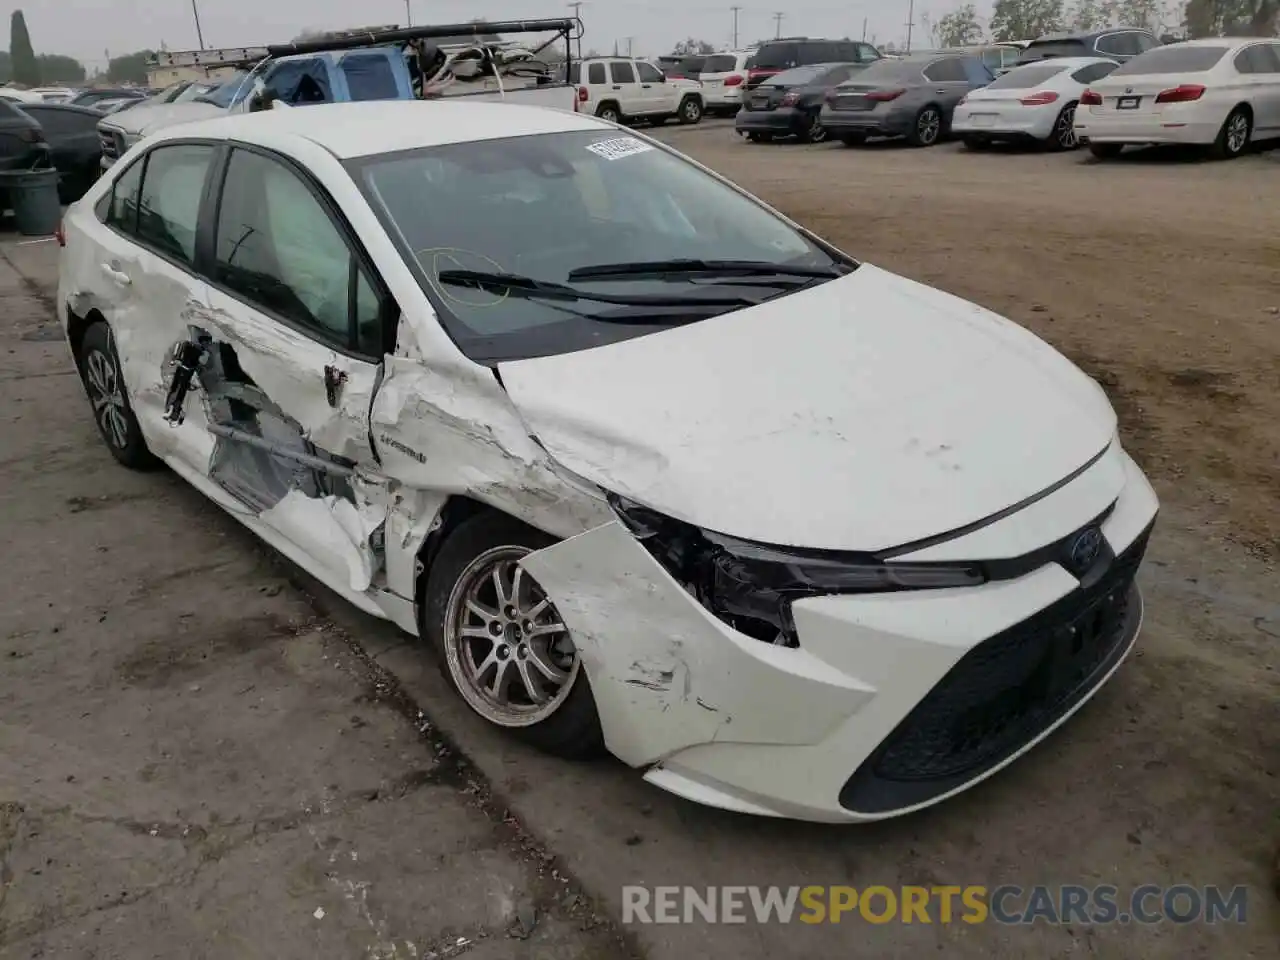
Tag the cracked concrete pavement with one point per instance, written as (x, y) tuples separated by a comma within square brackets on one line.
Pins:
[(192, 762)]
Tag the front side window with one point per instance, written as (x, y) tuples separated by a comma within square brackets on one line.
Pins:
[(648, 72), (867, 53), (775, 56), (169, 204), (547, 207), (278, 249)]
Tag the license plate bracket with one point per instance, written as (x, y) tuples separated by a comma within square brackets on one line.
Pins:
[(1128, 103)]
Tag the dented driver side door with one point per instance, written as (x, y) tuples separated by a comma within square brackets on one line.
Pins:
[(287, 359)]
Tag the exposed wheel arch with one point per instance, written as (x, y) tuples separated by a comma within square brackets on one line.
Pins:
[(77, 326)]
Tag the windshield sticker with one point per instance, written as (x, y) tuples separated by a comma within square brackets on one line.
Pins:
[(618, 147)]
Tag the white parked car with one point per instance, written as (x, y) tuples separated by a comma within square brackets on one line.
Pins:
[(650, 466), (1036, 102), (1220, 93), (723, 78), (620, 89)]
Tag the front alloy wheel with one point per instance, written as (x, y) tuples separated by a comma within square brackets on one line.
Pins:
[(507, 647), (815, 132)]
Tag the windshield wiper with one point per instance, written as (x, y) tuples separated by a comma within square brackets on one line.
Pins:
[(686, 267), (520, 286)]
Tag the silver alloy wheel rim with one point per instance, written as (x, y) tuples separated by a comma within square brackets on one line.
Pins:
[(930, 124), (1067, 128), (505, 644), (817, 132), (1237, 133), (691, 110), (105, 393), (610, 115)]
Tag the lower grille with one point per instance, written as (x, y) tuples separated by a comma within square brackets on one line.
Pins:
[(1003, 693)]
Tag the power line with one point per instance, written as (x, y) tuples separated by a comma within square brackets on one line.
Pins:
[(735, 26), (777, 21)]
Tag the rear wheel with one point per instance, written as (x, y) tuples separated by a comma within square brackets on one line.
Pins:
[(609, 112), (927, 128), (815, 132), (690, 110), (1106, 151), (503, 645), (104, 384), (1233, 138), (1064, 130)]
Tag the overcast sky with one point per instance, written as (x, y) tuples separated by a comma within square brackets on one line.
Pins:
[(86, 29)]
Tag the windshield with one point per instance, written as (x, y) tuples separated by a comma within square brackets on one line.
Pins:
[(799, 76), (1172, 59), (545, 206), (886, 70), (1023, 78), (225, 93), (720, 63), (1053, 48)]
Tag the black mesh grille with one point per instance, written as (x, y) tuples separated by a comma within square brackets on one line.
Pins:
[(1003, 693)]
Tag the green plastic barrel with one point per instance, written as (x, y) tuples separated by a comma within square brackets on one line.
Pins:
[(33, 196)]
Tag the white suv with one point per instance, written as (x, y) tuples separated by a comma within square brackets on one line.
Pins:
[(723, 78), (619, 88)]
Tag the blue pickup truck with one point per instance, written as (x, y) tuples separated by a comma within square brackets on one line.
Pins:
[(327, 76)]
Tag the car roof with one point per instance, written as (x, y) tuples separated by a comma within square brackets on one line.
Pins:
[(1087, 34), (350, 130)]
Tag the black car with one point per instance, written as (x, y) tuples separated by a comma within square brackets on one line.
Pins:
[(1118, 44), (789, 104), (22, 141), (87, 98), (74, 144), (773, 57)]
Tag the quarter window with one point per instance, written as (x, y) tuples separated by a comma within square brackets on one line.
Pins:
[(122, 209), (950, 70), (169, 203), (278, 249)]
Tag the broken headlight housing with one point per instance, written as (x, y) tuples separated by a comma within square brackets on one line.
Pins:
[(750, 586)]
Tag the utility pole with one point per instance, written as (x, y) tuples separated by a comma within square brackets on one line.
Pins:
[(408, 14), (628, 39), (195, 12), (911, 20), (777, 29), (577, 15), (735, 10), (864, 29)]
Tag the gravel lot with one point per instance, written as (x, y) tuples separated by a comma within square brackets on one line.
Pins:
[(204, 755)]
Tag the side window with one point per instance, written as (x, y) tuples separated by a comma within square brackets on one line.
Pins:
[(369, 77), (1146, 42), (993, 59), (1093, 72), (169, 203), (1109, 44), (1263, 58), (867, 53), (950, 70), (122, 204), (622, 71), (595, 73), (279, 250), (976, 72), (300, 81), (648, 72)]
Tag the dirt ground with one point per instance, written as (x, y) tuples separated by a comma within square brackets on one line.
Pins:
[(194, 739)]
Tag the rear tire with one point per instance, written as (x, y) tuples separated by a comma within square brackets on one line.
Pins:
[(1234, 137), (1064, 130), (99, 366), (567, 723), (926, 130), (609, 112), (1106, 151), (690, 110)]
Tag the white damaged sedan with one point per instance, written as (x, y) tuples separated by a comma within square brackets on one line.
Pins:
[(653, 468)]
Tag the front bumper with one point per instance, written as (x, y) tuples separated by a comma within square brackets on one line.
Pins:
[(891, 702), (784, 121)]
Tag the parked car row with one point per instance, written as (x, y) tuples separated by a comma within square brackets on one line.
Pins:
[(59, 135), (1221, 93)]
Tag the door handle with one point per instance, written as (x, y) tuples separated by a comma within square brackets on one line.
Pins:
[(114, 275), (646, 85), (617, 86), (939, 91)]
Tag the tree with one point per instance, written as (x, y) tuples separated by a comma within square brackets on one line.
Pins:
[(130, 68), (1215, 18), (692, 46), (1090, 15), (1135, 13), (55, 68), (26, 69), (6, 67), (960, 27), (1026, 19)]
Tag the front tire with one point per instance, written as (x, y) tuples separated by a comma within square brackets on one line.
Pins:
[(927, 128), (112, 412), (501, 642), (690, 110), (1234, 137)]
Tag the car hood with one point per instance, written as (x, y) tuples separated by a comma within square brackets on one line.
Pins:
[(147, 117), (865, 413)]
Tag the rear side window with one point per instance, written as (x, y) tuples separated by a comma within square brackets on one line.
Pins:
[(720, 64), (1054, 48), (775, 56), (595, 73), (1024, 78), (950, 70), (1092, 73), (169, 204), (1173, 59), (122, 208), (369, 77), (1262, 58), (622, 72)]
